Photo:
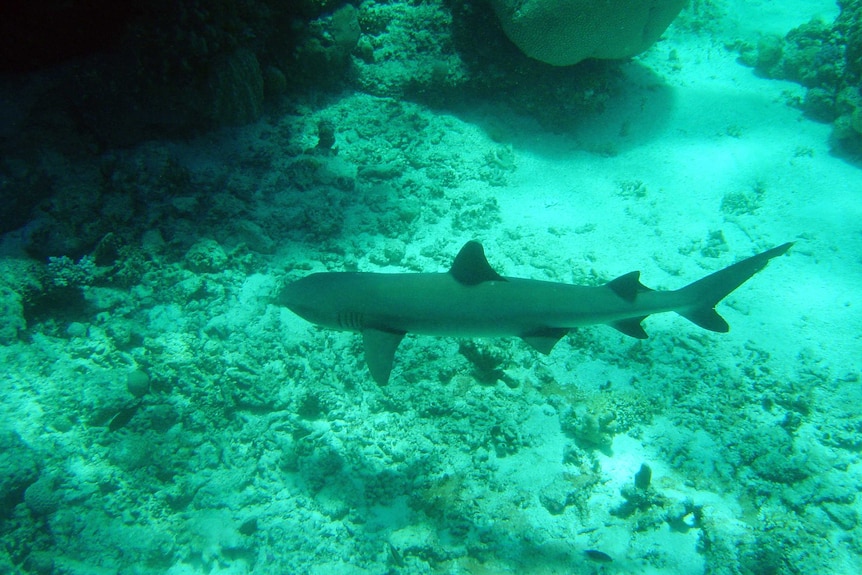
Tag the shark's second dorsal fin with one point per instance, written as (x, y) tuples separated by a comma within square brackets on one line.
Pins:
[(470, 266), (628, 286)]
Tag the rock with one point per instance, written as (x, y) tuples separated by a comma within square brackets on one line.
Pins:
[(344, 28), (417, 541), (843, 515), (236, 89), (637, 500), (769, 51), (248, 232), (819, 105), (138, 382), (76, 329), (643, 477), (39, 563), (325, 134), (856, 120), (565, 32), (589, 431), (18, 469), (41, 498), (274, 83), (152, 242), (556, 496), (12, 311), (392, 254), (206, 255)]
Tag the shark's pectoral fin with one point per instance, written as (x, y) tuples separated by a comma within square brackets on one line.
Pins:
[(380, 349), (631, 327), (544, 340)]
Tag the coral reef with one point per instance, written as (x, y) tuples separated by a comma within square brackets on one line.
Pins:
[(41, 498), (322, 49), (169, 418), (827, 60), (18, 470), (64, 272), (179, 68), (565, 32)]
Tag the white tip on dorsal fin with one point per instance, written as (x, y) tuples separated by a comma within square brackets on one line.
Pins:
[(470, 266)]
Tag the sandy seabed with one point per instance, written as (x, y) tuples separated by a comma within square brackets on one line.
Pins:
[(262, 446)]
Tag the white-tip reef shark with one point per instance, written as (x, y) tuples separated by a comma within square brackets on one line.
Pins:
[(473, 300)]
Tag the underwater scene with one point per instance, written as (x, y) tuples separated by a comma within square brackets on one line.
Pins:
[(409, 287)]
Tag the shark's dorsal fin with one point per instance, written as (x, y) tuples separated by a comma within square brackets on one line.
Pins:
[(628, 286), (380, 349), (470, 266)]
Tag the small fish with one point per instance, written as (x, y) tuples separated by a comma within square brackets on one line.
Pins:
[(598, 556), (395, 555), (124, 416)]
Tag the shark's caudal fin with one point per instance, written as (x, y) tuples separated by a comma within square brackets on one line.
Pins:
[(705, 293)]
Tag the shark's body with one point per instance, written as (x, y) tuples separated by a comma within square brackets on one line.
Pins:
[(472, 300)]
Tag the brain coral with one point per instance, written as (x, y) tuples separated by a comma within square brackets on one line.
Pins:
[(564, 32)]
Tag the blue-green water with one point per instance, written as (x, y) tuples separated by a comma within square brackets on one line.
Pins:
[(161, 413)]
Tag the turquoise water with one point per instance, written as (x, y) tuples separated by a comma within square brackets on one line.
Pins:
[(161, 412)]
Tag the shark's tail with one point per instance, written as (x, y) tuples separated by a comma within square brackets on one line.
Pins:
[(705, 293)]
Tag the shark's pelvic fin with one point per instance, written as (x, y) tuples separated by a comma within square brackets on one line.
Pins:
[(471, 267), (380, 349), (544, 340), (705, 293)]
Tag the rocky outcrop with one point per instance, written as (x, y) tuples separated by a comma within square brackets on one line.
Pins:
[(565, 32)]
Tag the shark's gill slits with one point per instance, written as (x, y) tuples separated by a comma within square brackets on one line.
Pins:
[(350, 320)]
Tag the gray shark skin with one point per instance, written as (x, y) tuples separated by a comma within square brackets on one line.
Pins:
[(473, 300)]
